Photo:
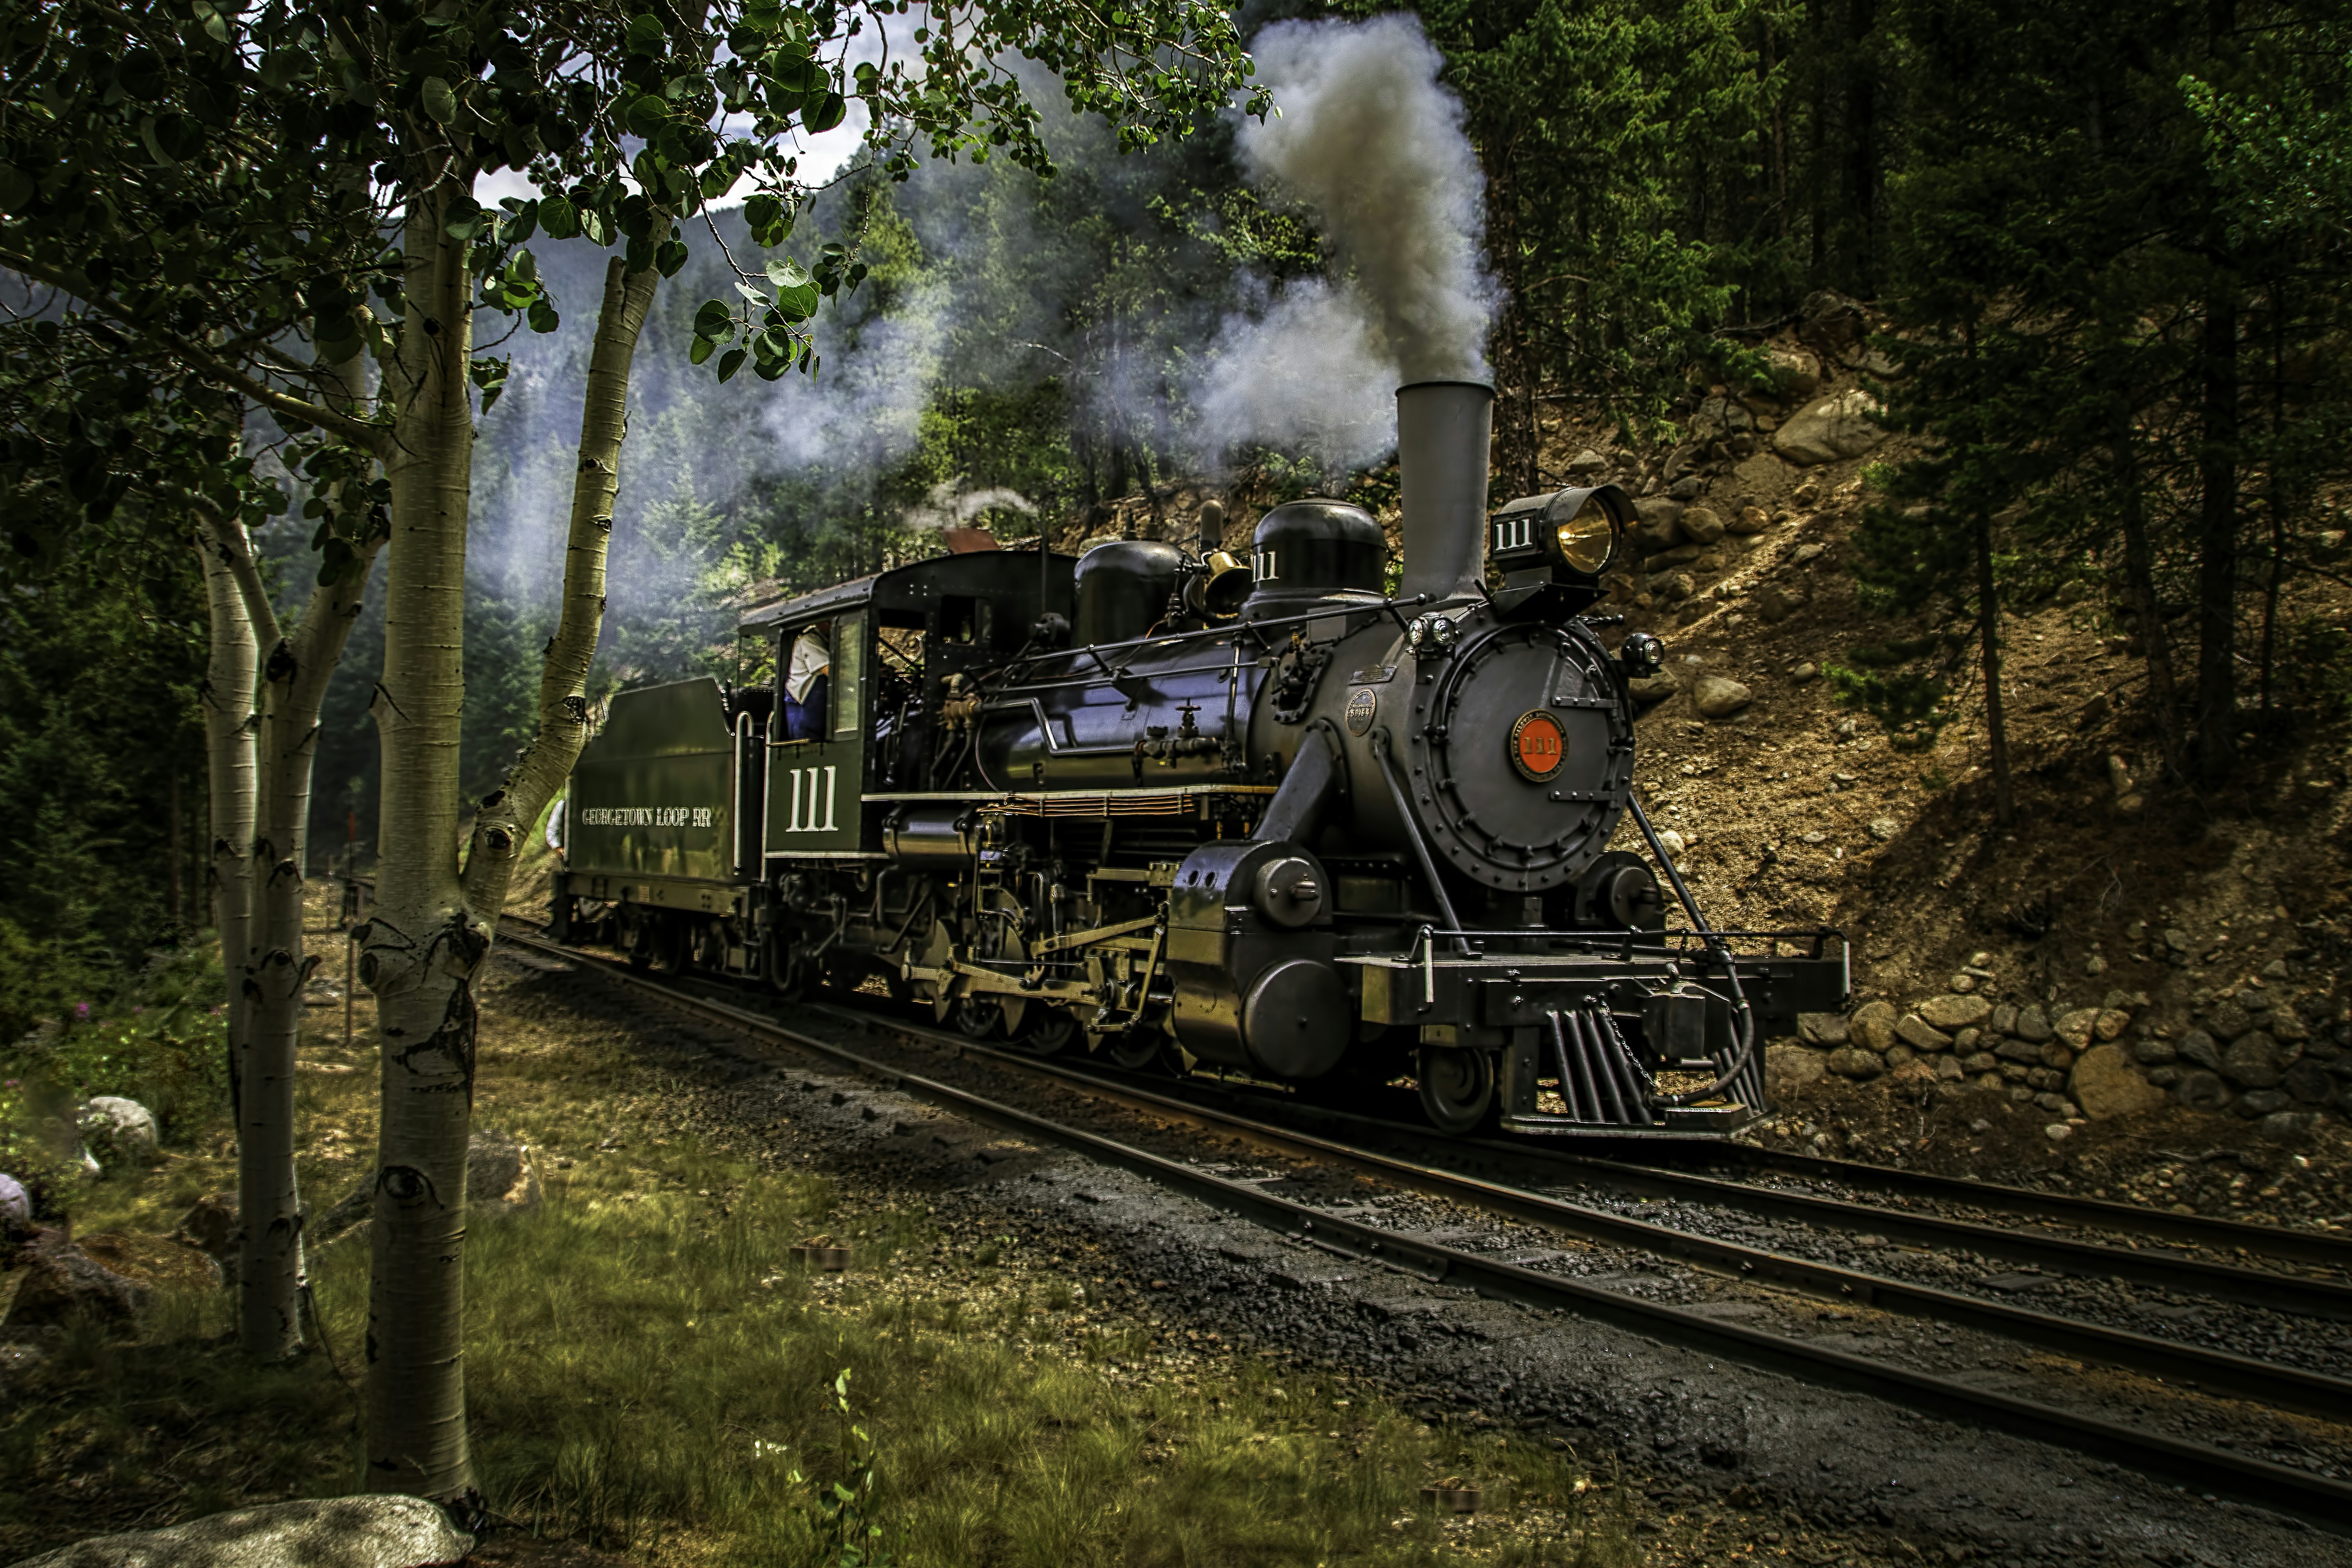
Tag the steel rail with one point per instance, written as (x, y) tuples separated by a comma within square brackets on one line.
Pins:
[(2321, 1499), (2241, 1376), (2094, 1213), (2231, 1282)]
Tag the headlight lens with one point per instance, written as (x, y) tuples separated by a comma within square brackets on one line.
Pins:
[(1586, 541)]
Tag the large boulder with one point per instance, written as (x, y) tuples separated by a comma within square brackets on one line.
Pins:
[(155, 1262), (1660, 528), (1874, 1026), (1716, 698), (1856, 1063), (2105, 1084), (500, 1176), (2253, 1060), (334, 1532), (1831, 428), (1787, 1069), (1949, 1012), (118, 1132), (15, 1204), (63, 1284)]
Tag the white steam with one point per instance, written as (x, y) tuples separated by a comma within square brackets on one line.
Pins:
[(1371, 140), (1306, 370), (943, 506)]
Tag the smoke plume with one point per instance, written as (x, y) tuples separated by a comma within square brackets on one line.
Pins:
[(1370, 139)]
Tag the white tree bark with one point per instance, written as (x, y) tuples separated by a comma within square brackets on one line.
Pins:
[(230, 731)]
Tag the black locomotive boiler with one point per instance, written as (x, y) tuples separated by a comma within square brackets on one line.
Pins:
[(1179, 811)]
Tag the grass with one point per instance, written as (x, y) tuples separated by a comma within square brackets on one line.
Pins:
[(649, 1372)]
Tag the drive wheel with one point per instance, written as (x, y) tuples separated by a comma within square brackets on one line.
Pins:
[(1137, 1050), (979, 1017), (1051, 1034), (1457, 1087)]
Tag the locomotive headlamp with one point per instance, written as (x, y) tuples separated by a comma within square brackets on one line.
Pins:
[(1586, 542), (1571, 531)]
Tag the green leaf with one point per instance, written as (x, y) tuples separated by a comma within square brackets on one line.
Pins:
[(703, 349), (770, 221), (646, 114), (16, 189), (669, 255), (798, 304), (729, 363), (543, 316), (830, 111), (714, 321), (750, 292), (646, 35), (439, 103), (559, 218)]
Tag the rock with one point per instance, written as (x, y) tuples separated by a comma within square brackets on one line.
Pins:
[(2201, 1090), (62, 1284), (2201, 1047), (152, 1262), (1885, 829), (2033, 1024), (2259, 1102), (1831, 325), (1748, 520), (1673, 586), (1855, 1064), (2018, 1051), (500, 1176), (1649, 688), (1805, 553), (1967, 1039), (1805, 672), (1874, 1026), (15, 1205), (1914, 1032), (2094, 966), (117, 1132), (2308, 1083), (1587, 462), (1701, 524), (2227, 1021), (2003, 1020), (1835, 428), (1949, 1071), (2074, 1028), (1660, 527), (1776, 603), (1685, 489), (2057, 1055), (2253, 1001), (2253, 1060), (1718, 697), (2103, 1084), (1794, 371), (2164, 1076), (2112, 1022), (2153, 1052), (1900, 1056), (336, 1533), (2287, 1123), (1824, 1028), (211, 1228), (1960, 985), (1981, 1061), (1791, 1068), (2057, 1131), (1956, 1012), (2286, 1025)]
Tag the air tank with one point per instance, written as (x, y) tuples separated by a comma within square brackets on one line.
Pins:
[(1123, 588)]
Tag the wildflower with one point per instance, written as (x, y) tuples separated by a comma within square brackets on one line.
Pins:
[(81, 1011)]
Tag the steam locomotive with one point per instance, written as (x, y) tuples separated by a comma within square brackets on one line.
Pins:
[(1187, 812)]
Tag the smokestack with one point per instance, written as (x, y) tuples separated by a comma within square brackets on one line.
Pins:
[(1443, 429)]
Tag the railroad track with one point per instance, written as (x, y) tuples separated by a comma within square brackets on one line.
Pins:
[(2322, 1499)]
